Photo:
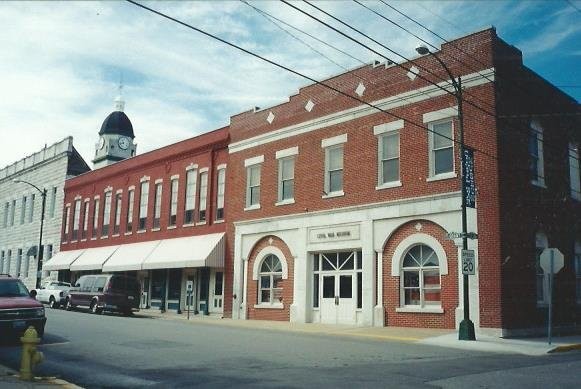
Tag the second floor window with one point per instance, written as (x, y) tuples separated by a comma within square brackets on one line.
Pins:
[(220, 194), (76, 219), (117, 221), (95, 231), (31, 213), (441, 147), (157, 205), (130, 200), (6, 212), (536, 166), (389, 158), (203, 196), (143, 202), (106, 214), (286, 179), (190, 203), (23, 210), (334, 169), (66, 227), (52, 202), (173, 202), (85, 220), (253, 185)]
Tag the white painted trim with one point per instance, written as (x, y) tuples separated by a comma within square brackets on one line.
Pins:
[(144, 178), (334, 141), (443, 176), (419, 310), (118, 191), (158, 181), (406, 98), (96, 197), (192, 166), (221, 166), (387, 127), (254, 160), (412, 240), (175, 177), (262, 254), (333, 194), (440, 114), (252, 207), (78, 197), (387, 185), (287, 152), (132, 187), (269, 306), (204, 170), (285, 202), (108, 189)]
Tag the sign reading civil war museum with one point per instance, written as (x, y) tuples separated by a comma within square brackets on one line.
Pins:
[(468, 177)]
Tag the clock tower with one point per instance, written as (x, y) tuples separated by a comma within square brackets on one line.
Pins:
[(115, 137)]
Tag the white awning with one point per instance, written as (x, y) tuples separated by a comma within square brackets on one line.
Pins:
[(93, 259), (62, 260), (130, 256), (192, 251)]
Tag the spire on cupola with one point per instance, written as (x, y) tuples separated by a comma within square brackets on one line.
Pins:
[(119, 102)]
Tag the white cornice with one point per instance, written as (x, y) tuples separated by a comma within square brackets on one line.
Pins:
[(410, 97)]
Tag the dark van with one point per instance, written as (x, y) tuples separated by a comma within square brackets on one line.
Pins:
[(105, 292)]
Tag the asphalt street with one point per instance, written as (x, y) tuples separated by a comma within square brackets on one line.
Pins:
[(97, 351)]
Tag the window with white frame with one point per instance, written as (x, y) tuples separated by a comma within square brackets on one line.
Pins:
[(117, 222), (2, 261), (18, 266), (334, 169), (269, 279), (574, 177), (420, 278), (85, 220), (173, 205), (130, 201), (31, 212), (66, 227), (95, 231), (76, 219), (388, 157), (220, 194), (441, 141), (157, 205), (8, 260), (578, 271), (6, 212), (190, 203), (203, 196), (541, 243), (253, 185), (286, 179), (51, 208), (23, 210), (537, 168), (13, 212), (143, 203), (106, 214)]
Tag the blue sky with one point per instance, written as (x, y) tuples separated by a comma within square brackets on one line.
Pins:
[(62, 61)]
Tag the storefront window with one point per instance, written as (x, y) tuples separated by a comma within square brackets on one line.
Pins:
[(421, 277)]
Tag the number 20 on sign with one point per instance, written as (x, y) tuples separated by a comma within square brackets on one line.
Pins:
[(468, 262)]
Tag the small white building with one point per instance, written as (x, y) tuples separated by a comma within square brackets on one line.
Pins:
[(21, 206)]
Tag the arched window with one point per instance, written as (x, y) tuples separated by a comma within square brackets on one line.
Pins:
[(421, 277), (269, 280)]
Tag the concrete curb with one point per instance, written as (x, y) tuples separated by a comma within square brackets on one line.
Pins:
[(565, 348), (13, 378)]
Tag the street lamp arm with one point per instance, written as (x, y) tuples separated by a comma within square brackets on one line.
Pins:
[(454, 83), (42, 192)]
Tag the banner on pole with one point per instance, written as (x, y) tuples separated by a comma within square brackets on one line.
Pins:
[(468, 177)]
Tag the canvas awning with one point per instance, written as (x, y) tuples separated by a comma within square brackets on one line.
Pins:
[(130, 256), (93, 259), (192, 251), (62, 260)]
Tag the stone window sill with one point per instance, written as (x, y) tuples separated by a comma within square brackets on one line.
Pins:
[(419, 310), (387, 185), (333, 194), (443, 176), (269, 306)]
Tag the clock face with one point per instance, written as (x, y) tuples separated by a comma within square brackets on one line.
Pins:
[(101, 143), (124, 143)]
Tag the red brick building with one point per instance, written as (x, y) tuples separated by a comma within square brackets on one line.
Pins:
[(340, 211), (159, 216)]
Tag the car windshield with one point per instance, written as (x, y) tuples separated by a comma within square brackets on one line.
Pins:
[(13, 288)]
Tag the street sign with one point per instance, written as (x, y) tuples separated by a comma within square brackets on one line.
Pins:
[(460, 235), (468, 177), (468, 262), (558, 260)]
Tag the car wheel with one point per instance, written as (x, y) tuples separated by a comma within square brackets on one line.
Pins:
[(95, 308), (52, 302), (68, 305)]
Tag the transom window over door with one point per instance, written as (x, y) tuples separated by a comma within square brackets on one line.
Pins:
[(269, 280), (420, 279)]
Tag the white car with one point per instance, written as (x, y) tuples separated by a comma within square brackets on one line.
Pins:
[(53, 293)]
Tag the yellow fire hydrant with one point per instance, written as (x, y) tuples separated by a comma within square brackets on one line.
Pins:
[(30, 357)]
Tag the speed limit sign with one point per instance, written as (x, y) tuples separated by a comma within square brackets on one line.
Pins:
[(468, 262)]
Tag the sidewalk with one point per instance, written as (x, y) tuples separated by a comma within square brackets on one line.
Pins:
[(9, 379), (434, 337)]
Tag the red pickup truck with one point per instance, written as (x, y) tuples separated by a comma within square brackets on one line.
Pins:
[(18, 309)]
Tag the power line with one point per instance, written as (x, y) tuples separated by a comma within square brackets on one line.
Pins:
[(573, 5), (492, 114), (298, 73)]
